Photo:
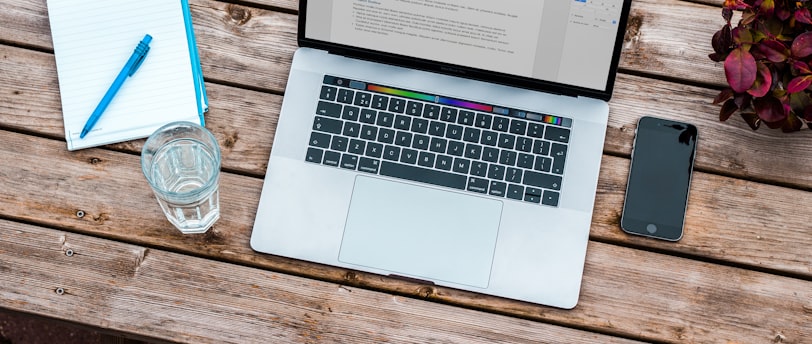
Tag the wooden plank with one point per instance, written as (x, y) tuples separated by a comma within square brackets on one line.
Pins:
[(160, 295), (48, 186), (249, 46), (245, 121)]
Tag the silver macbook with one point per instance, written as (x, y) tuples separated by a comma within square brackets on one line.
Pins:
[(452, 142)]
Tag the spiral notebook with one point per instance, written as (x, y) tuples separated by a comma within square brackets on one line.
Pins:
[(92, 42)]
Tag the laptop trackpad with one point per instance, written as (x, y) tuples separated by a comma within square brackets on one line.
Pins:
[(421, 232)]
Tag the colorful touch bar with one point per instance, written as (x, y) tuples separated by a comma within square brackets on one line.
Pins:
[(401, 93)]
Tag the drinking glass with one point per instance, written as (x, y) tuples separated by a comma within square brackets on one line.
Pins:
[(181, 162)]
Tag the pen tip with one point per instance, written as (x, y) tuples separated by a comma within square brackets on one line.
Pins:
[(82, 135)]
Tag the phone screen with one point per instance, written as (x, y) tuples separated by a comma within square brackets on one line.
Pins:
[(659, 178)]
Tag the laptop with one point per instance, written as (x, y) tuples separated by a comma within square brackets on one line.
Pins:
[(457, 143)]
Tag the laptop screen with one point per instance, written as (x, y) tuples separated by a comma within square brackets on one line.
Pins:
[(573, 43)]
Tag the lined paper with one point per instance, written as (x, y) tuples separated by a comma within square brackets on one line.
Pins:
[(93, 41)]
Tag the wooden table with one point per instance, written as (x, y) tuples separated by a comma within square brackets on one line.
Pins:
[(83, 240)]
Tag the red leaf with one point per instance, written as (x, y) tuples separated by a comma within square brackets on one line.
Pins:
[(808, 114), (727, 110), (769, 109), (802, 15), (799, 83), (774, 50), (724, 95), (802, 67), (763, 82), (768, 7), (752, 120), (791, 124), (802, 45), (740, 70)]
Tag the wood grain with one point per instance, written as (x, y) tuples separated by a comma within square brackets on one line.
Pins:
[(160, 295), (49, 186)]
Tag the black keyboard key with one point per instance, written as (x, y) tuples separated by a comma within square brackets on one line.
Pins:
[(314, 155), (448, 114), (507, 157), (489, 138), (437, 129), (454, 132), (471, 135), (403, 122), (397, 105), (345, 96), (339, 143), (328, 93), (515, 192), (380, 102), (466, 117), (477, 185), (559, 154), (391, 153), (426, 159), (403, 139), (414, 108), (445, 162), (542, 180), (352, 129), (420, 125), (438, 145), (473, 151), (329, 109), (421, 142), (362, 99), (320, 140), (501, 123), (496, 172), (524, 144), (532, 195), (483, 120), (349, 161), (490, 154), (497, 189), (431, 111), (479, 169), (543, 164), (456, 148), (507, 141), (550, 198), (350, 113), (374, 150), (386, 135), (331, 158), (525, 161), (518, 127), (424, 175), (535, 130), (369, 165), (513, 175), (357, 147), (408, 156), (386, 119), (557, 134), (462, 165), (541, 147), (368, 116), (369, 132)]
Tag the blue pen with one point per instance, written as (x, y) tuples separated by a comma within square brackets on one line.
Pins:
[(129, 69)]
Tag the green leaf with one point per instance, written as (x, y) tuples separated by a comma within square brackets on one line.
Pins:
[(740, 70)]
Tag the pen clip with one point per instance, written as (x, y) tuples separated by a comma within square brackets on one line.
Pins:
[(141, 51)]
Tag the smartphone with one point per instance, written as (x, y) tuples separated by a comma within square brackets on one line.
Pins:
[(659, 178)]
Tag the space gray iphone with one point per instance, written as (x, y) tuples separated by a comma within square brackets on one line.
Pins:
[(659, 179)]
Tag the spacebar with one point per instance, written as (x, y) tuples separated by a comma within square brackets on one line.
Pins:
[(424, 175)]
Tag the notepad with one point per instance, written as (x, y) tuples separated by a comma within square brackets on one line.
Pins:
[(93, 40)]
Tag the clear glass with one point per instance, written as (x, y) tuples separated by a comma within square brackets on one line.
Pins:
[(181, 162)]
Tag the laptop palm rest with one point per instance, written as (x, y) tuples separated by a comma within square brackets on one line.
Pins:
[(421, 232)]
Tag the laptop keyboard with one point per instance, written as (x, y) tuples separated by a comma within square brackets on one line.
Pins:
[(483, 149)]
